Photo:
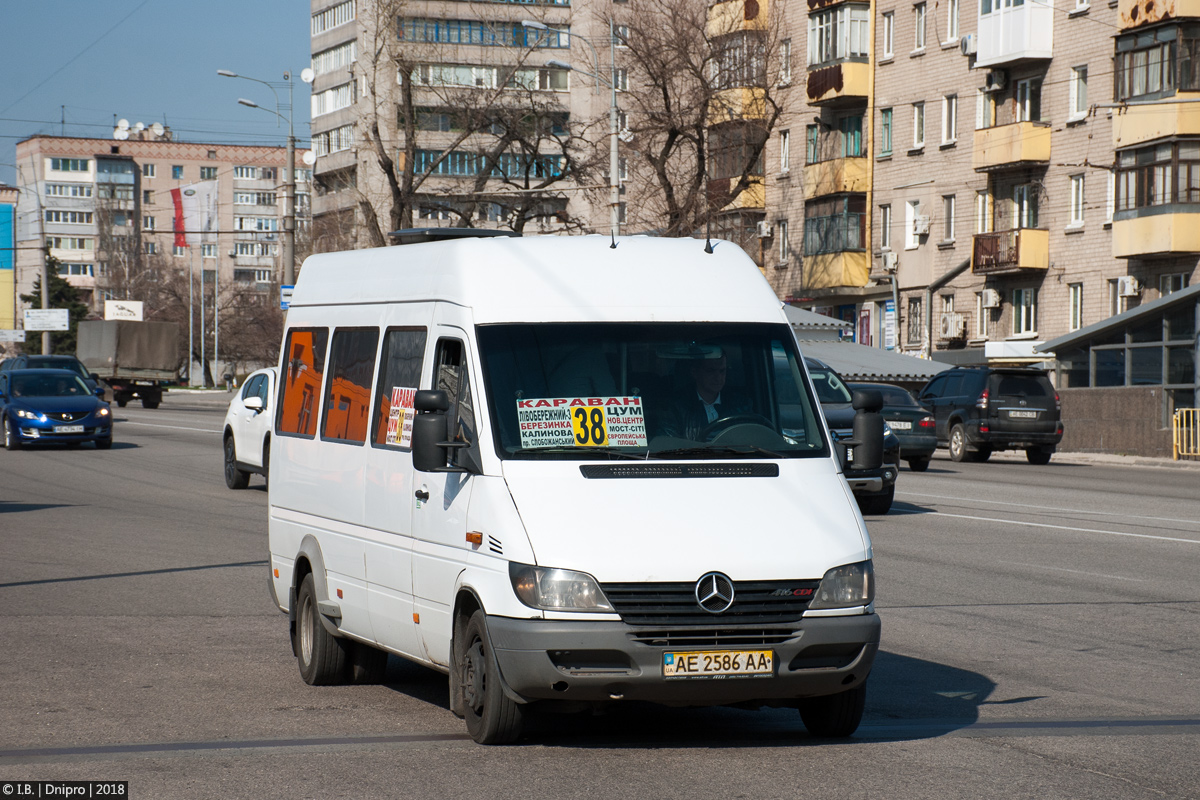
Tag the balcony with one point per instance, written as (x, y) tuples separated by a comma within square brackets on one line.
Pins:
[(842, 84), (1018, 144), (836, 270), (1012, 34), (1144, 123), (1010, 252), (836, 176), (1168, 229), (1138, 13), (730, 16), (737, 104), (753, 197)]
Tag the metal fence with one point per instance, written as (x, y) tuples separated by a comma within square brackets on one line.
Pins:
[(1185, 433)]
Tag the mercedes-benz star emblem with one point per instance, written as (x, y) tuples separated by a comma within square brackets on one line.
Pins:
[(714, 592)]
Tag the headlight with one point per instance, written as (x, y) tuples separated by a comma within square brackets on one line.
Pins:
[(846, 586), (30, 415), (887, 429), (102, 412), (557, 589)]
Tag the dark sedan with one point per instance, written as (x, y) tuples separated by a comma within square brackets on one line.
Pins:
[(910, 421), (52, 406)]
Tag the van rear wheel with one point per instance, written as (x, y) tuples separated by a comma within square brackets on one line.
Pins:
[(321, 655), (834, 716), (492, 717)]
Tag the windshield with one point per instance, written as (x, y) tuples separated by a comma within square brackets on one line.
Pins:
[(638, 390), (49, 386), (830, 388), (57, 363)]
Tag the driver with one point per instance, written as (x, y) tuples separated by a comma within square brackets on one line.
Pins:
[(706, 401)]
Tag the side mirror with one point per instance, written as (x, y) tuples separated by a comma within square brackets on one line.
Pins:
[(94, 377), (868, 429), (254, 403), (99, 392), (431, 400), (430, 448)]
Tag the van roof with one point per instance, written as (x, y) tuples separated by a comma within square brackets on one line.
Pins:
[(550, 278)]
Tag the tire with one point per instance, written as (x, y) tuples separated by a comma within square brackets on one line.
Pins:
[(266, 462), (367, 664), (12, 440), (834, 716), (919, 464), (104, 444), (877, 503), (323, 657), (148, 403), (121, 401), (958, 443), (1036, 455), (491, 716), (981, 455), (234, 477)]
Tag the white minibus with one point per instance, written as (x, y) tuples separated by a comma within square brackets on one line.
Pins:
[(566, 471)]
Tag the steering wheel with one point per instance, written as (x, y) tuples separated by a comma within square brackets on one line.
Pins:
[(714, 428)]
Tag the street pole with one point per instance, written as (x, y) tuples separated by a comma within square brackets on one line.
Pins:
[(191, 317), (289, 209), (46, 297), (614, 189)]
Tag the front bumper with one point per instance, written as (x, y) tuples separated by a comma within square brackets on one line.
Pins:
[(42, 433), (1011, 440), (603, 661)]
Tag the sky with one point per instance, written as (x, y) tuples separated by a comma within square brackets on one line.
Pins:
[(74, 67)]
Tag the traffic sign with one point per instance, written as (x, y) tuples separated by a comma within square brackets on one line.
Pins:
[(285, 296), (12, 336), (47, 319)]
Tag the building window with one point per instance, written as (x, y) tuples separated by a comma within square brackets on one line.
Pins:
[(1172, 283), (78, 270), (147, 197), (981, 317), (620, 36), (338, 57), (852, 139), (919, 22), (951, 20), (885, 132), (914, 321), (68, 190), (983, 211), (1029, 100), (948, 218), (69, 217), (1155, 63), (912, 213), (949, 119), (332, 17), (1076, 201), (785, 61), (834, 225), (621, 79), (1025, 206), (838, 33), (885, 227), (178, 250), (1116, 303), (811, 151), (147, 223), (70, 164), (147, 170), (249, 173), (889, 34), (1110, 202), (208, 173), (208, 251), (177, 171), (781, 234), (918, 125), (1076, 321), (1158, 175), (785, 151), (1024, 303), (150, 248), (480, 33), (1078, 93)]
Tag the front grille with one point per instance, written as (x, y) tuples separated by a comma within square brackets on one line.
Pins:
[(714, 637), (670, 604), (655, 470), (61, 416)]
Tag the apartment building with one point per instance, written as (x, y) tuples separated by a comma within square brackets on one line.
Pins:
[(8, 253), (972, 186), (104, 209), (470, 69)]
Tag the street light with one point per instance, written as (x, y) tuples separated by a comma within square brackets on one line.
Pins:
[(289, 184), (614, 184)]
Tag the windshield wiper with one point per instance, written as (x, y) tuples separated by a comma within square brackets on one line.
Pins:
[(717, 449), (594, 450)]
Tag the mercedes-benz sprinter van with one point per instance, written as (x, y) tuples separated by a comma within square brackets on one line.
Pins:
[(566, 471)]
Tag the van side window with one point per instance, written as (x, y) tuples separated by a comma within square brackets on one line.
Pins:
[(450, 374), (303, 371), (348, 389), (399, 377)]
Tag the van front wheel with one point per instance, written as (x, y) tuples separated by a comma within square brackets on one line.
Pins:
[(491, 716), (834, 716)]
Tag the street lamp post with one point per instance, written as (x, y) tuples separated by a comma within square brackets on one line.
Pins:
[(614, 183), (289, 184)]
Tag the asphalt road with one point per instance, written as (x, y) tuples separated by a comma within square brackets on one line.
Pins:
[(1040, 640)]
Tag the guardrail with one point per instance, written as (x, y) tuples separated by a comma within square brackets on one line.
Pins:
[(1185, 433)]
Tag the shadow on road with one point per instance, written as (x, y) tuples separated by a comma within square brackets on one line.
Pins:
[(13, 507)]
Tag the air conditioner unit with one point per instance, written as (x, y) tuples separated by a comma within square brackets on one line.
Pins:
[(968, 44), (991, 298), (891, 261), (764, 229), (996, 80), (921, 225), (1128, 286), (952, 326)]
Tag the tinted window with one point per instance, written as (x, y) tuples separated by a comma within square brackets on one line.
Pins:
[(953, 385), (48, 386), (348, 390), (399, 377), (1024, 385), (303, 371), (892, 395), (252, 386), (829, 386)]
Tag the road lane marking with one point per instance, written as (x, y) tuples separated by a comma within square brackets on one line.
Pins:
[(169, 427), (1074, 571), (961, 499), (1046, 525)]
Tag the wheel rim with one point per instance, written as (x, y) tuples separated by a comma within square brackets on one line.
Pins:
[(956, 442), (474, 678), (230, 467), (306, 630), (7, 434)]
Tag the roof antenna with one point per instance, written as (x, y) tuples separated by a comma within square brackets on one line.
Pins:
[(613, 246), (708, 248)]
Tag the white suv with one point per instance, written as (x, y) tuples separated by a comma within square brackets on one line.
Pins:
[(247, 436)]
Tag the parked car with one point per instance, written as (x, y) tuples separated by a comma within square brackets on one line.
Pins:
[(978, 410), (52, 406), (247, 436), (910, 421), (52, 362), (873, 489)]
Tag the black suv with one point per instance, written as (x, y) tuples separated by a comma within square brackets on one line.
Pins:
[(981, 409)]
